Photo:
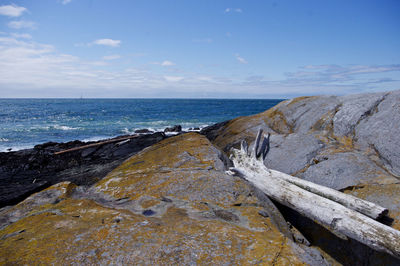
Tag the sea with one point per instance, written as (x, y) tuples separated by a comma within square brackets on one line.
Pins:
[(27, 122)]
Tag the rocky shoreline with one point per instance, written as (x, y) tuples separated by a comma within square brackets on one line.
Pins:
[(167, 199), (28, 171)]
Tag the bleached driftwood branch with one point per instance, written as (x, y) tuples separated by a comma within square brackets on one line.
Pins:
[(96, 144), (343, 213)]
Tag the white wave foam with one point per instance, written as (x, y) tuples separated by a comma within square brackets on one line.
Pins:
[(171, 133), (3, 140), (36, 128), (96, 138), (15, 148), (65, 127), (132, 131), (127, 131)]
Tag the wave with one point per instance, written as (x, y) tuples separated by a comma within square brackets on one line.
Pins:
[(65, 127), (15, 148), (3, 140), (132, 131), (185, 127), (95, 138), (47, 128)]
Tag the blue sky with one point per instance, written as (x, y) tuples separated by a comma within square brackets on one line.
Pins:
[(207, 48)]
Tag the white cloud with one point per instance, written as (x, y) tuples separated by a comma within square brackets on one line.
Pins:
[(20, 24), (21, 35), (240, 59), (107, 42), (111, 57), (30, 69), (12, 10), (337, 72), (164, 63), (173, 78), (64, 2), (230, 9), (167, 63)]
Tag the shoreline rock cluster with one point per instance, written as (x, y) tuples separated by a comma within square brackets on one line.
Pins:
[(28, 171), (167, 199)]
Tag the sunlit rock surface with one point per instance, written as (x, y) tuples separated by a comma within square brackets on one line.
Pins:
[(349, 143), (170, 204)]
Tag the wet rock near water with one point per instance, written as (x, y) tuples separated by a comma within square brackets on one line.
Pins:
[(176, 128), (144, 131), (27, 171)]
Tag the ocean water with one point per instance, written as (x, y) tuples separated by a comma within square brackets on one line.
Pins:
[(27, 122)]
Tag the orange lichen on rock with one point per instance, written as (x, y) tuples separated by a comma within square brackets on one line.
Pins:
[(170, 204)]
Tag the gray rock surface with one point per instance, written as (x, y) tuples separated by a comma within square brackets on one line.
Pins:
[(304, 114), (380, 131), (349, 143), (341, 170), (354, 108), (281, 156), (358, 135)]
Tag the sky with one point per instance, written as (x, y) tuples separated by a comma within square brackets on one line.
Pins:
[(198, 48)]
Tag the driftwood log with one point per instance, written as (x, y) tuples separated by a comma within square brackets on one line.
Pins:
[(335, 210), (96, 144)]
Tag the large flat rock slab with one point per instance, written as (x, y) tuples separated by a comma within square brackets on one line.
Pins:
[(349, 143), (170, 204)]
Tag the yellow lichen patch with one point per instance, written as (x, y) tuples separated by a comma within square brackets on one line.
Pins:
[(346, 142), (324, 124), (184, 167), (149, 203), (246, 200), (256, 221), (65, 187), (246, 127), (193, 217), (300, 100), (199, 206), (237, 129), (88, 233), (276, 120)]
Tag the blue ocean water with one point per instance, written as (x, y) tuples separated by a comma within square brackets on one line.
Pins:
[(27, 122)]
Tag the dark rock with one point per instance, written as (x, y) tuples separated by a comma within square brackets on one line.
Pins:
[(144, 131), (176, 128), (226, 215), (148, 212), (29, 171), (211, 132)]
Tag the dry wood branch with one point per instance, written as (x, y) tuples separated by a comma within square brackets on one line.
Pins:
[(95, 144), (365, 207), (330, 213)]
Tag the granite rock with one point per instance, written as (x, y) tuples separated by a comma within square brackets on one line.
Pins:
[(153, 209), (379, 132), (350, 143)]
